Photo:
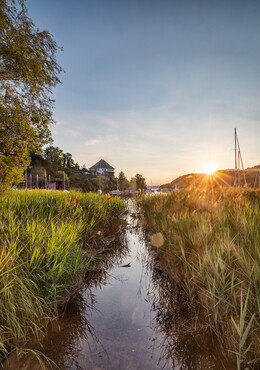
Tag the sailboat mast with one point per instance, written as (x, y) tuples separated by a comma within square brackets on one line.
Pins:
[(242, 165), (238, 161), (235, 179)]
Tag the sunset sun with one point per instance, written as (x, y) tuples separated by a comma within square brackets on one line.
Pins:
[(209, 168)]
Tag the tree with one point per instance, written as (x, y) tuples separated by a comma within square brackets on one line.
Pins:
[(28, 72), (68, 161), (140, 182), (123, 183), (54, 156)]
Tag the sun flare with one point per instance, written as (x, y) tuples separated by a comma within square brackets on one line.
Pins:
[(209, 168)]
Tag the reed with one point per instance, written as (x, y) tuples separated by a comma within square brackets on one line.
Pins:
[(211, 252), (42, 258)]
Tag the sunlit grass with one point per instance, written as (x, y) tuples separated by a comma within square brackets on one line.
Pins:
[(212, 252), (42, 258)]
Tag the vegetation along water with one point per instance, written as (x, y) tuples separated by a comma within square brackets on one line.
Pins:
[(208, 241), (44, 239)]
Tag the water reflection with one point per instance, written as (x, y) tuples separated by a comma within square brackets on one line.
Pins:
[(62, 343), (126, 317), (183, 341), (77, 329)]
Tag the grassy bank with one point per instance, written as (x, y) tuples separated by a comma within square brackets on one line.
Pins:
[(42, 258), (211, 250)]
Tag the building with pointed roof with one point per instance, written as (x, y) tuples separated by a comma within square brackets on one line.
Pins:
[(102, 168)]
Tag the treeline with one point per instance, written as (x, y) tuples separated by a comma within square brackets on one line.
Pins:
[(54, 165), (136, 183)]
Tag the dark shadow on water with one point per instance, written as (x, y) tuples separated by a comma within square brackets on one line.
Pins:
[(182, 344)]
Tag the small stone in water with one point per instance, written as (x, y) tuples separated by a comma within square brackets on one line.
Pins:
[(157, 240)]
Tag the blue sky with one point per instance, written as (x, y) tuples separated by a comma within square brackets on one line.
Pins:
[(156, 87)]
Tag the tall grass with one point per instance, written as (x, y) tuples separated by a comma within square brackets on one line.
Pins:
[(42, 258), (212, 252)]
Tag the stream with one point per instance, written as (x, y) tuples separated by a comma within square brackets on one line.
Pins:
[(124, 318)]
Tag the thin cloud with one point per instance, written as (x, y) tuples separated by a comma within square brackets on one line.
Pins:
[(92, 142), (72, 133)]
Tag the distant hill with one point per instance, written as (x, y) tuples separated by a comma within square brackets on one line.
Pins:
[(221, 177)]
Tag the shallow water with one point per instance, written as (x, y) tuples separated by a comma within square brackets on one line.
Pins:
[(125, 318)]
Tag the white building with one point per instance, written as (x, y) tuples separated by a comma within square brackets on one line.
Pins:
[(102, 168)]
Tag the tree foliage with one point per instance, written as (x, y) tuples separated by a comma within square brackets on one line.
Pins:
[(123, 183), (68, 161), (140, 182), (54, 157), (28, 72), (55, 163)]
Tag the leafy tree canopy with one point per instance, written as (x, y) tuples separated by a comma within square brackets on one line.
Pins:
[(68, 161), (28, 72), (54, 156), (140, 182), (123, 183)]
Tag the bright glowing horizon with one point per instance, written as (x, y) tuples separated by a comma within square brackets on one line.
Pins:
[(209, 168)]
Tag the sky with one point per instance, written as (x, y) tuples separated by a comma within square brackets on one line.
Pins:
[(155, 87)]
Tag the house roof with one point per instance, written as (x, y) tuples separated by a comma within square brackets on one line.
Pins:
[(101, 164)]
